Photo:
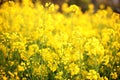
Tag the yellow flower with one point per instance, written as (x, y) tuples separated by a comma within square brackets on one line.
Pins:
[(118, 54), (53, 66), (92, 75), (75, 9), (39, 70), (105, 59), (4, 78), (91, 6), (76, 56), (21, 68), (65, 7), (24, 78), (33, 49), (74, 69), (114, 75), (59, 75), (94, 47), (102, 6), (105, 78), (11, 74)]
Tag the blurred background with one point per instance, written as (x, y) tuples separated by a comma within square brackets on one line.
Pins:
[(114, 4)]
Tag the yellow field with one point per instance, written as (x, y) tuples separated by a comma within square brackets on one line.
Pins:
[(40, 43)]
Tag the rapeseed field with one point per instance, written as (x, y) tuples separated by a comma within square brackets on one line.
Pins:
[(41, 43)]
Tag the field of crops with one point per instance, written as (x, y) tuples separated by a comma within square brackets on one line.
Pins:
[(40, 43)]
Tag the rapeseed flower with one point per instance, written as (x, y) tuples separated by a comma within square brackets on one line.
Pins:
[(21, 68), (59, 75), (114, 75), (74, 69), (93, 75)]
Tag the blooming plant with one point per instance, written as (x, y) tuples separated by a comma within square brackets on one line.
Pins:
[(40, 43)]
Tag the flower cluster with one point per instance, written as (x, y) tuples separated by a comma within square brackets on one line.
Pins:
[(40, 43)]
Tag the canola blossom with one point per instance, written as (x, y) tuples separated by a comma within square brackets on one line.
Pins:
[(41, 43)]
